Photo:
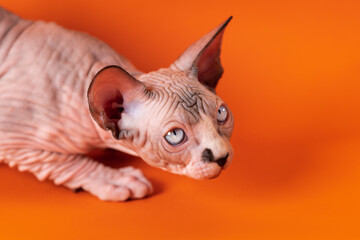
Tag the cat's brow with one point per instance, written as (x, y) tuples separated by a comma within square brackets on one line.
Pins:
[(193, 107), (182, 92)]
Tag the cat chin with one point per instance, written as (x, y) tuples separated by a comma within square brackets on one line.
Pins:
[(203, 170), (197, 170)]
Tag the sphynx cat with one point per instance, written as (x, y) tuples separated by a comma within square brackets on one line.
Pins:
[(64, 93)]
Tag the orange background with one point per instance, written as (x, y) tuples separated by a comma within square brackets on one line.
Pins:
[(292, 80)]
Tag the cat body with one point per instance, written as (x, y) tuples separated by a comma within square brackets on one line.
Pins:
[(64, 93)]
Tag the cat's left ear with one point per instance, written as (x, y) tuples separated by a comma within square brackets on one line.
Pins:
[(203, 57), (112, 92)]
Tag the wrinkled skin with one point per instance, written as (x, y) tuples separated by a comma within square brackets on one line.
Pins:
[(194, 109), (63, 93)]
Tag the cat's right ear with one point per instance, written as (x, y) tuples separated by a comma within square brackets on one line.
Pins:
[(202, 58), (111, 92)]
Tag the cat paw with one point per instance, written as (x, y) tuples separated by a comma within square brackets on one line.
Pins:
[(118, 184)]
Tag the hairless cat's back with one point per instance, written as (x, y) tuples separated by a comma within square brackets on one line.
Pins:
[(45, 71)]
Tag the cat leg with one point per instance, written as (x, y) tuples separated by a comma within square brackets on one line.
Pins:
[(79, 171)]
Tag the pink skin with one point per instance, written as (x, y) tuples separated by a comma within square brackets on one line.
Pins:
[(49, 79)]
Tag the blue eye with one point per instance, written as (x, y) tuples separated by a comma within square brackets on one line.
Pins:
[(222, 114), (175, 136)]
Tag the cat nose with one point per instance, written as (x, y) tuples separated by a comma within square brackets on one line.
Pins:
[(208, 156), (222, 161)]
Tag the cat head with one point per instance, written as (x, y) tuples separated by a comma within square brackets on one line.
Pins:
[(172, 118)]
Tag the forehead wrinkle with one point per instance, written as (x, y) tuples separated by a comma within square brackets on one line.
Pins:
[(169, 104), (174, 89), (201, 104), (188, 117), (194, 100), (185, 92), (174, 105), (192, 111), (205, 107), (190, 105)]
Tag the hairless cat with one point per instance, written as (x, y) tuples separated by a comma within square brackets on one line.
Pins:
[(64, 93)]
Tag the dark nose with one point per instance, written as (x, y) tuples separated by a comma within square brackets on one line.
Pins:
[(222, 161), (208, 156)]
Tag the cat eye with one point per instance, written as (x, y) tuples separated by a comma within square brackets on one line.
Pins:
[(175, 136), (222, 114)]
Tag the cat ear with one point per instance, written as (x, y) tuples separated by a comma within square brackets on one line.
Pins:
[(203, 57), (111, 92)]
